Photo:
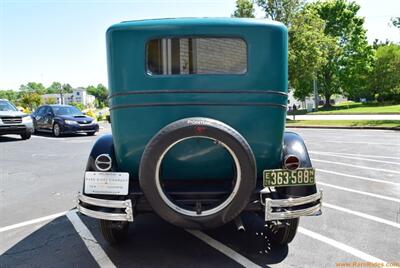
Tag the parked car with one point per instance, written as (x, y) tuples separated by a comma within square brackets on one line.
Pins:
[(13, 121), (198, 120), (63, 119)]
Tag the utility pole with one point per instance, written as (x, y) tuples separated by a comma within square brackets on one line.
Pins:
[(315, 94), (62, 94)]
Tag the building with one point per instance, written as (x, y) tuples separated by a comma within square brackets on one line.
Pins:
[(78, 95), (309, 102)]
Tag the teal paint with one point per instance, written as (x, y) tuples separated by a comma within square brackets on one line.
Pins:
[(262, 126)]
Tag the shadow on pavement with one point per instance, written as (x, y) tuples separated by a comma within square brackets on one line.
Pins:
[(49, 135), (10, 138), (56, 244), (254, 243), (152, 242)]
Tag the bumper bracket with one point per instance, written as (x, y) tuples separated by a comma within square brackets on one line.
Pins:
[(104, 203), (282, 206)]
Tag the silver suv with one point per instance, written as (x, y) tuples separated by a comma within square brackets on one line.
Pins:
[(13, 121)]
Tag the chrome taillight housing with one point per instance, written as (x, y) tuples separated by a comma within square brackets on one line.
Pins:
[(291, 162)]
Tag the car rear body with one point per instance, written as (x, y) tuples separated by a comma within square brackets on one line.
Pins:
[(254, 102), (198, 111)]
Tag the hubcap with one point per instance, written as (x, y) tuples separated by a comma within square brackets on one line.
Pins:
[(56, 130)]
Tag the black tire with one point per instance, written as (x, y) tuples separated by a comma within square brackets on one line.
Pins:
[(285, 233), (195, 127), (114, 232), (26, 136), (56, 133), (90, 133)]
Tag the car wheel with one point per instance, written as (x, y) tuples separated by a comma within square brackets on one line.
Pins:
[(194, 216), (91, 133), (284, 234), (26, 136), (114, 232), (56, 130)]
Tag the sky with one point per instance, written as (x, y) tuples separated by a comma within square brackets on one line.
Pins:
[(64, 40)]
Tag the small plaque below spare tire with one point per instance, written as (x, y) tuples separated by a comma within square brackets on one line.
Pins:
[(114, 183)]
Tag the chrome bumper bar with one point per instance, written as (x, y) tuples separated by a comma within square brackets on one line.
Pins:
[(283, 204), (124, 204)]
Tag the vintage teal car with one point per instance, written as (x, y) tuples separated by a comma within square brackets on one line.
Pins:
[(198, 110)]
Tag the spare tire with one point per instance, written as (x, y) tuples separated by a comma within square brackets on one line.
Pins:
[(198, 127)]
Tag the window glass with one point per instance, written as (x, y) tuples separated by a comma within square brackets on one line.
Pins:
[(39, 111), (172, 56), (46, 110), (7, 106), (66, 110)]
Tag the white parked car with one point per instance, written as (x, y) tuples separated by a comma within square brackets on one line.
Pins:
[(13, 121)]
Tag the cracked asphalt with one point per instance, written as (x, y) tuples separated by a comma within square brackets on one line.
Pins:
[(359, 171)]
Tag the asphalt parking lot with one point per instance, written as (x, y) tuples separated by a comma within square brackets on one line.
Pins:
[(358, 170)]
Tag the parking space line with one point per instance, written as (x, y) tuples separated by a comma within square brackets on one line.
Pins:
[(48, 138), (359, 192), (356, 158), (363, 215), (363, 155), (30, 222), (356, 166), (91, 243), (352, 142), (357, 177), (223, 249), (353, 251)]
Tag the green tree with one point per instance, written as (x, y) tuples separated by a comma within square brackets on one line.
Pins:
[(385, 77), (100, 93), (308, 50), (33, 87), (50, 101), (350, 59), (78, 105), (308, 45), (10, 95), (54, 88), (30, 99), (244, 9), (396, 22), (67, 88), (281, 10)]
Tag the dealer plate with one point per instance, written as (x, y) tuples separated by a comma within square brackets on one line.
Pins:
[(284, 177), (113, 183)]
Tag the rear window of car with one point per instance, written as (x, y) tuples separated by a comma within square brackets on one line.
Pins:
[(197, 55)]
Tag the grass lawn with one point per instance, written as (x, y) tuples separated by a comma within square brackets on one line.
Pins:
[(360, 108), (345, 123)]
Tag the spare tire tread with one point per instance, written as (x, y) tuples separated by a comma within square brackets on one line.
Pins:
[(213, 129)]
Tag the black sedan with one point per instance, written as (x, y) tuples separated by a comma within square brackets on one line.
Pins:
[(63, 119)]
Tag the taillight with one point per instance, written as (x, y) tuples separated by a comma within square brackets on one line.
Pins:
[(291, 162)]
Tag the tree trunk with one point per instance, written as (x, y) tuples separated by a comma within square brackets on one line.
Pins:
[(328, 100)]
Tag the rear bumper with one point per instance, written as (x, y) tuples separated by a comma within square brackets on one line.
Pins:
[(281, 209), (125, 207), (275, 209)]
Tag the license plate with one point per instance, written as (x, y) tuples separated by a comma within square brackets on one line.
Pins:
[(284, 177), (113, 183)]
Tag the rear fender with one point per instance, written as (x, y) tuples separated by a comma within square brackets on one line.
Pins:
[(103, 145), (293, 144)]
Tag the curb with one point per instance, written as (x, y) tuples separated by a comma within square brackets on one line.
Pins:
[(351, 114), (346, 127)]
